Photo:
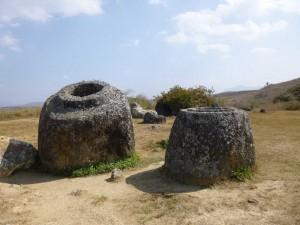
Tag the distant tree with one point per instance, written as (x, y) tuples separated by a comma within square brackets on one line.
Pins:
[(169, 103), (142, 100)]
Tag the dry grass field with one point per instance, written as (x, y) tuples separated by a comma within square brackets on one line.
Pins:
[(145, 197)]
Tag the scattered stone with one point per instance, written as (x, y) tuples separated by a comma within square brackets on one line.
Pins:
[(155, 127), (116, 175), (153, 118), (86, 122), (263, 110), (252, 201), (15, 155), (207, 144), (215, 105), (245, 108), (137, 111)]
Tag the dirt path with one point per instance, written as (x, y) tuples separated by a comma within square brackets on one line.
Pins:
[(144, 197)]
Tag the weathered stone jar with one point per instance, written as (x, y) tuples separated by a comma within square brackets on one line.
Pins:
[(84, 123), (207, 144)]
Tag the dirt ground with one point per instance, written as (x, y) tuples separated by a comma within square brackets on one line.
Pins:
[(146, 197)]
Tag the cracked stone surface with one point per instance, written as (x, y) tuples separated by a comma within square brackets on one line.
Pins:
[(152, 117), (207, 144), (85, 123), (137, 111), (15, 155)]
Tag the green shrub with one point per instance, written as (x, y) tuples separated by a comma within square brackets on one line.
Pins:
[(293, 105), (285, 97), (292, 94), (99, 168), (295, 91), (177, 98), (242, 174)]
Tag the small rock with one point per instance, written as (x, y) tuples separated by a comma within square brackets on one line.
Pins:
[(153, 118), (263, 110), (215, 105), (137, 111), (252, 201), (14, 155), (155, 127), (116, 175)]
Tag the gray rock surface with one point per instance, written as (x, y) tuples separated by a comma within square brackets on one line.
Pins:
[(116, 175), (207, 144), (15, 155), (86, 122), (137, 111), (153, 118)]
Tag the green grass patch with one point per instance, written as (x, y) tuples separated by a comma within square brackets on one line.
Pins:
[(100, 168), (242, 174), (163, 143)]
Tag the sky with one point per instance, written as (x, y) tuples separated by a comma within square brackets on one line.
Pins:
[(145, 46)]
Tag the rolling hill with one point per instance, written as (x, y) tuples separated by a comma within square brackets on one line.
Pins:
[(257, 98)]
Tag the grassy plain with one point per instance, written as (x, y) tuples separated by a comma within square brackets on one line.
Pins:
[(145, 197)]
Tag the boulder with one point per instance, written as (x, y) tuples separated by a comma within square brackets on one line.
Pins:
[(153, 118), (15, 155), (137, 111), (207, 144), (84, 123)]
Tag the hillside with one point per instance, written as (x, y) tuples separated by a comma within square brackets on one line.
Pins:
[(256, 98)]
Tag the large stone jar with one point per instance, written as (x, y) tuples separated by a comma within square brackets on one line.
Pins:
[(207, 144), (85, 123)]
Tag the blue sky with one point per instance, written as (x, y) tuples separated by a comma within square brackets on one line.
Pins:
[(146, 46)]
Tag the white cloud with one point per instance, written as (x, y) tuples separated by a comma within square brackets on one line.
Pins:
[(136, 42), (157, 2), (215, 47), (43, 10), (133, 43), (230, 21), (10, 42), (263, 50)]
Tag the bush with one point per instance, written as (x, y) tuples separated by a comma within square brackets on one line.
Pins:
[(293, 105), (143, 101), (292, 94), (295, 91), (285, 97), (170, 103), (242, 174)]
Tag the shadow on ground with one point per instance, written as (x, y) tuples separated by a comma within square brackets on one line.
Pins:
[(29, 177), (153, 181)]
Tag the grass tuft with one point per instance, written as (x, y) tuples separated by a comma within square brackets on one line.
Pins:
[(163, 143), (242, 174), (99, 168)]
